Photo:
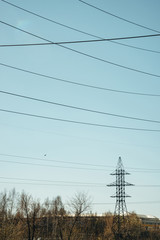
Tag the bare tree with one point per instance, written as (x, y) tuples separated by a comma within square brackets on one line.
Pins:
[(59, 214), (78, 205), (28, 213), (53, 219), (22, 217), (7, 212)]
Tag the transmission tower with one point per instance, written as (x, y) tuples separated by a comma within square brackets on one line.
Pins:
[(120, 218)]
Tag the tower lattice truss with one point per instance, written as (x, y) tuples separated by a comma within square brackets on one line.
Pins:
[(120, 218)]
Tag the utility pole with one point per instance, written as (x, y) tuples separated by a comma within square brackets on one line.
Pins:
[(120, 214)]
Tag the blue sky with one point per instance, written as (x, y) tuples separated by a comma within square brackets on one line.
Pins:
[(63, 149)]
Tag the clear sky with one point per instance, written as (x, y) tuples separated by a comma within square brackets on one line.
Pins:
[(64, 158)]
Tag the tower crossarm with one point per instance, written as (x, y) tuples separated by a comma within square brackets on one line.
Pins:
[(122, 196), (128, 184), (115, 184), (120, 172), (112, 184)]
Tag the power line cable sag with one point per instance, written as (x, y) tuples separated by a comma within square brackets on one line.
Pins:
[(116, 16), (67, 185), (77, 163), (62, 167), (58, 161), (70, 183), (55, 182), (78, 83), (81, 41), (48, 19), (144, 202), (44, 44), (79, 108), (52, 166), (79, 122), (49, 184), (84, 54), (75, 29)]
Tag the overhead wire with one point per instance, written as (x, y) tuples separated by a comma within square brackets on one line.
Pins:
[(68, 184), (116, 16), (81, 41), (53, 181), (77, 163), (70, 167), (83, 53), (53, 160), (52, 166), (79, 122), (74, 29), (143, 202), (48, 19), (79, 108), (78, 83), (45, 44), (61, 183), (151, 185), (49, 184)]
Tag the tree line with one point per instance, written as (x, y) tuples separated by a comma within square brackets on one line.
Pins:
[(24, 218)]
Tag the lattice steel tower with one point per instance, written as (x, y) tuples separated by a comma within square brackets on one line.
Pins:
[(120, 214)]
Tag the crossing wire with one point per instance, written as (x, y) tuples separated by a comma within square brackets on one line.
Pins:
[(80, 41), (75, 29), (83, 53)]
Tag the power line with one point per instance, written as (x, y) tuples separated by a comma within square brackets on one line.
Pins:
[(76, 163), (51, 166), (55, 182), (80, 41), (48, 19), (67, 185), (51, 160), (78, 83), (73, 185), (29, 33), (123, 19), (78, 122), (84, 54), (49, 184), (112, 63), (144, 202), (44, 44), (79, 108), (62, 183), (151, 185), (138, 48), (74, 29)]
